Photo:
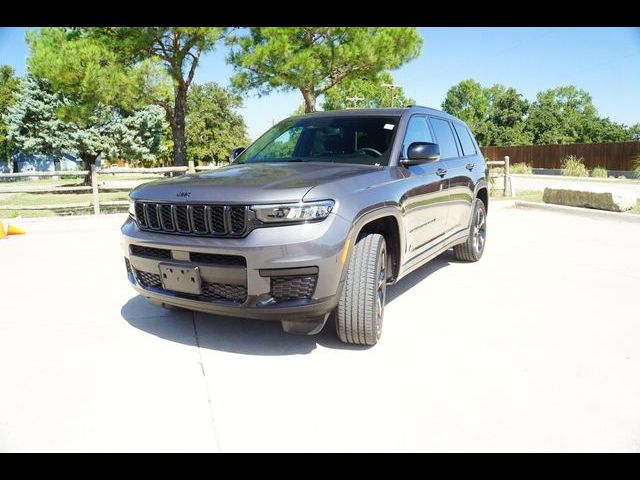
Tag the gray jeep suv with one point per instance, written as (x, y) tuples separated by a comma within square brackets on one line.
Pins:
[(318, 215)]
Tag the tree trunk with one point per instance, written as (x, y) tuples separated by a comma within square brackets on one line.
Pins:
[(87, 161), (177, 127), (309, 101)]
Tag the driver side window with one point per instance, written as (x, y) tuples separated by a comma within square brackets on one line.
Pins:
[(417, 131)]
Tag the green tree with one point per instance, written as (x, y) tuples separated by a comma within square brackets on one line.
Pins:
[(9, 86), (36, 127), (124, 66), (365, 93), (496, 114), (214, 125), (634, 132), (505, 122), (561, 115), (606, 130), (315, 59), (468, 101)]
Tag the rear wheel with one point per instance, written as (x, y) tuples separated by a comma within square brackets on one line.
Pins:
[(473, 248), (361, 306)]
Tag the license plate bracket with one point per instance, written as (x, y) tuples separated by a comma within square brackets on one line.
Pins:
[(179, 278)]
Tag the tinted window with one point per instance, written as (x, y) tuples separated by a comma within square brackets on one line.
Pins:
[(417, 131), (340, 139), (468, 148), (445, 138)]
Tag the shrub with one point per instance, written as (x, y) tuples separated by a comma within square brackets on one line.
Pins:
[(573, 166), (599, 172), (636, 165), (521, 167)]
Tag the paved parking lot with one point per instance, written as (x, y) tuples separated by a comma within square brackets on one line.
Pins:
[(535, 348)]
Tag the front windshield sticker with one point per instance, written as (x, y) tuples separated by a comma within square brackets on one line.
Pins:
[(389, 126)]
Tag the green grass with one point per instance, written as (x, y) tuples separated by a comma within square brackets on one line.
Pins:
[(521, 168), (529, 195), (35, 199), (32, 199), (66, 181)]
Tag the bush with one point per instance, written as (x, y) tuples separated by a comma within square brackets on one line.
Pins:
[(521, 167), (599, 172), (636, 165), (573, 166)]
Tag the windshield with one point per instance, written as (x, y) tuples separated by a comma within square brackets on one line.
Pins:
[(364, 140)]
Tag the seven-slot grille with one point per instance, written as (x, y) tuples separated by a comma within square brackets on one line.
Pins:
[(210, 220)]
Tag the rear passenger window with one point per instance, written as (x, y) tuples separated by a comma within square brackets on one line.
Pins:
[(444, 137), (417, 131), (468, 148)]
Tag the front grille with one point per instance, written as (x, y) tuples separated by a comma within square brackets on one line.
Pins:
[(215, 259), (209, 220), (223, 291), (210, 291), (149, 279), (150, 252), (237, 219), (293, 288), (127, 264)]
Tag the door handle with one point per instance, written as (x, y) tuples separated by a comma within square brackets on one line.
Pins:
[(441, 171), (470, 166)]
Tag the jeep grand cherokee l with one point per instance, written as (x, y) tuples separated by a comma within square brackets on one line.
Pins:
[(318, 215)]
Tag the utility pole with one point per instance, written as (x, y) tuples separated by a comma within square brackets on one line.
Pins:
[(354, 100), (392, 86)]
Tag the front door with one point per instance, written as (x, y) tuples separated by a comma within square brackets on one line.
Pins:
[(424, 202)]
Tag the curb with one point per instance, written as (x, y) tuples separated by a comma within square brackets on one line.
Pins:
[(585, 212)]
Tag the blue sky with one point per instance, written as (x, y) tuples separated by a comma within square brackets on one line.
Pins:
[(604, 61)]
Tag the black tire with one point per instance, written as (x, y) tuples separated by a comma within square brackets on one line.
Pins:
[(361, 305), (473, 248)]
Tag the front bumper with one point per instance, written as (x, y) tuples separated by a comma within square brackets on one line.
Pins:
[(270, 252)]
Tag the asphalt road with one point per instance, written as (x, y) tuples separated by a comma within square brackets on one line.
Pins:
[(534, 348)]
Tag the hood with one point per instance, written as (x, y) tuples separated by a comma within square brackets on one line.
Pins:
[(249, 183)]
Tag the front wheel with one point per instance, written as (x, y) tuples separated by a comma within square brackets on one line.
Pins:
[(361, 305), (473, 248)]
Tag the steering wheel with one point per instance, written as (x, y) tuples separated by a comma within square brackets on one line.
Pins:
[(371, 151)]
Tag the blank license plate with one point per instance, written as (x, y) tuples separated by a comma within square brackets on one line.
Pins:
[(178, 278)]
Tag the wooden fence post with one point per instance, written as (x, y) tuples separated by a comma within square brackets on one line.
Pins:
[(507, 180), (94, 187), (192, 167)]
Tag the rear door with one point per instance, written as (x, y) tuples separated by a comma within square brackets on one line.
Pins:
[(424, 201), (460, 192)]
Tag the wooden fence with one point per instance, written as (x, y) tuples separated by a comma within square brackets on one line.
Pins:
[(94, 188), (612, 156)]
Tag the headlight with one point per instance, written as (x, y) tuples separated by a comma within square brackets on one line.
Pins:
[(132, 209), (293, 212)]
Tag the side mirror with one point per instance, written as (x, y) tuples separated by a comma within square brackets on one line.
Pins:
[(235, 152), (421, 152)]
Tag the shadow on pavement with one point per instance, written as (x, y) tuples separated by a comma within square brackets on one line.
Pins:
[(417, 276), (249, 336)]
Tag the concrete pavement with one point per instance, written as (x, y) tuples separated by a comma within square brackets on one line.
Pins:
[(534, 348)]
